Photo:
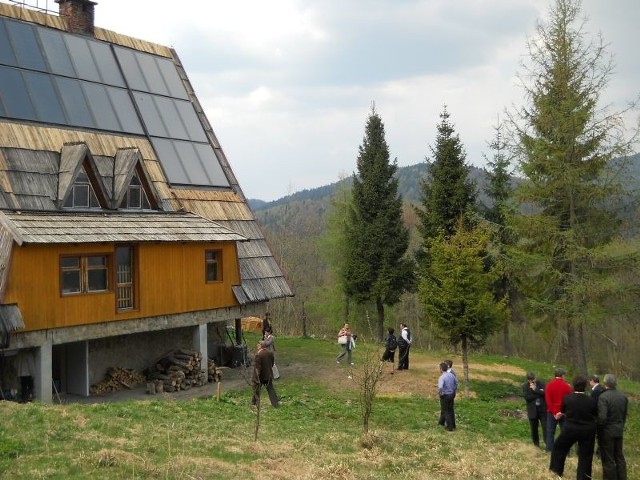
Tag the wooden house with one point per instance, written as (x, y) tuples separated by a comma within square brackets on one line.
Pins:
[(123, 230)]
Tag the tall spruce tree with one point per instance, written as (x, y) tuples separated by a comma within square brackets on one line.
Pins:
[(447, 193), (376, 266), (566, 144)]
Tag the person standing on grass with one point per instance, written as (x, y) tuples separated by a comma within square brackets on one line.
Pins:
[(612, 415), (596, 390), (345, 338), (554, 393), (447, 385), (533, 392), (263, 375), (391, 344), (455, 390), (404, 345), (269, 341), (579, 414)]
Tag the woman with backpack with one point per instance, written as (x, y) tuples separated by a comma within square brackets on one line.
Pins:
[(390, 346)]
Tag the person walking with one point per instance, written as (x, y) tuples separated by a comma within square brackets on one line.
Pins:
[(345, 338), (447, 385), (404, 345), (263, 375), (391, 343), (612, 416), (269, 341), (579, 413), (555, 391), (533, 392)]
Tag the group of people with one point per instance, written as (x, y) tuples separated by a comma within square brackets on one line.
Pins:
[(402, 343), (594, 422)]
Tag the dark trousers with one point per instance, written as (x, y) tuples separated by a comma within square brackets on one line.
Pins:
[(273, 396), (389, 355), (447, 413), (552, 423), (403, 361), (585, 439), (541, 420), (614, 465)]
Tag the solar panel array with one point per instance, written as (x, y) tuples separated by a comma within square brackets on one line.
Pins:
[(55, 77)]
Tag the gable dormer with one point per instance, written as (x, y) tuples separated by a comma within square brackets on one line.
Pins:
[(79, 184), (132, 187)]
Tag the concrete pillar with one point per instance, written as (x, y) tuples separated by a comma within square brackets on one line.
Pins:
[(43, 379), (200, 344)]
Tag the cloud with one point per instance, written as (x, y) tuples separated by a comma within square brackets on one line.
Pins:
[(288, 85)]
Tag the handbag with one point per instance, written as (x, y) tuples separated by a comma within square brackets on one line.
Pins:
[(342, 340)]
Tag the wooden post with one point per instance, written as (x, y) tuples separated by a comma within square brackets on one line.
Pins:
[(218, 390)]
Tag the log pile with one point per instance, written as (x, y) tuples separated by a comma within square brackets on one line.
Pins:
[(214, 372), (177, 370), (116, 379)]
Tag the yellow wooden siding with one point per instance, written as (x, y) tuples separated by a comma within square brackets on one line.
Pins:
[(170, 278)]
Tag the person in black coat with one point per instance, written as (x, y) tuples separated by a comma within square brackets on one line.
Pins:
[(596, 390), (580, 414), (533, 392), (391, 344), (612, 416)]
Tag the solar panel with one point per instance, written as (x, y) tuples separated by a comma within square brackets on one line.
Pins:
[(56, 77)]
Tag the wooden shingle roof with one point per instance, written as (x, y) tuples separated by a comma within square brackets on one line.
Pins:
[(94, 227), (39, 161)]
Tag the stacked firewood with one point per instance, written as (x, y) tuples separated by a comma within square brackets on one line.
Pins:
[(214, 372), (116, 379), (177, 370)]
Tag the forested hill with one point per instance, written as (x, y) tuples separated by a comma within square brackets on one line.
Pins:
[(409, 185)]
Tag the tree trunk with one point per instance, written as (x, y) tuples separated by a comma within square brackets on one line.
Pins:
[(465, 366), (506, 341), (380, 311), (579, 351)]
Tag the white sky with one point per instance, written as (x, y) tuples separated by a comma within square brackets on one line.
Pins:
[(287, 84)]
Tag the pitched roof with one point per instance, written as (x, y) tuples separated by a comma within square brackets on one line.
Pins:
[(160, 126), (95, 227)]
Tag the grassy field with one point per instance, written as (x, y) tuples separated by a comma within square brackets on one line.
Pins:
[(316, 434)]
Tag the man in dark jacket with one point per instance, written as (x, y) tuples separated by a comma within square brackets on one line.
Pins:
[(263, 375), (579, 413), (404, 344), (533, 392), (612, 415)]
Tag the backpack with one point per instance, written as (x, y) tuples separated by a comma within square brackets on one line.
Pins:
[(392, 343)]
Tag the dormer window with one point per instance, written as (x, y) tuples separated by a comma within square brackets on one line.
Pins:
[(135, 197), (82, 194)]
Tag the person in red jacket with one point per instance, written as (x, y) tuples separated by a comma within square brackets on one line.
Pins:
[(555, 392)]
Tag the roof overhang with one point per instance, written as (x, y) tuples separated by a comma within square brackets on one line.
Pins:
[(99, 227)]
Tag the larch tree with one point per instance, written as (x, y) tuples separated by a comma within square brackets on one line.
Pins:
[(567, 147), (376, 268), (499, 189)]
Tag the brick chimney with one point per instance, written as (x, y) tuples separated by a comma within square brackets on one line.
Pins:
[(78, 15)]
